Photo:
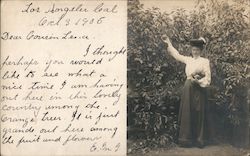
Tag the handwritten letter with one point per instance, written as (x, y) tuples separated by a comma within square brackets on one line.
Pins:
[(63, 78)]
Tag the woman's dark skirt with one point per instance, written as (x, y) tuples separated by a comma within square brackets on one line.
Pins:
[(192, 121)]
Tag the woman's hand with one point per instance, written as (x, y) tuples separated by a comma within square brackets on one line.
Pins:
[(197, 77), (195, 80), (166, 39)]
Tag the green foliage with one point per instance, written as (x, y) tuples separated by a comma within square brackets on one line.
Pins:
[(155, 78)]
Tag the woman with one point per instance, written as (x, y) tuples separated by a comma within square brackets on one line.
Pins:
[(193, 101)]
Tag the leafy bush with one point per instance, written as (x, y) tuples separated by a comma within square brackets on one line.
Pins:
[(155, 78)]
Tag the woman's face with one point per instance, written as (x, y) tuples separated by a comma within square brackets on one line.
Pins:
[(196, 52)]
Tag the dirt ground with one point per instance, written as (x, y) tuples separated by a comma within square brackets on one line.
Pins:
[(212, 150)]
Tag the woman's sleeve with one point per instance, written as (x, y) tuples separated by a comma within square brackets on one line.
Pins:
[(205, 81), (176, 54)]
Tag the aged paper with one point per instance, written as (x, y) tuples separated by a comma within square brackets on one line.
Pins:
[(63, 78)]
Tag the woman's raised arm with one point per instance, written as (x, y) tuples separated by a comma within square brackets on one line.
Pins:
[(173, 52)]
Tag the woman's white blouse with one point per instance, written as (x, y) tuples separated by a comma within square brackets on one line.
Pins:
[(198, 65)]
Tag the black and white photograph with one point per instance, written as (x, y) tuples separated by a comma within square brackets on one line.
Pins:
[(188, 78)]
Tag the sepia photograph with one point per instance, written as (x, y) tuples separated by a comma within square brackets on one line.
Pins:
[(188, 77)]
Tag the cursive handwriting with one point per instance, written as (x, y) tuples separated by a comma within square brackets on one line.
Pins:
[(63, 79)]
